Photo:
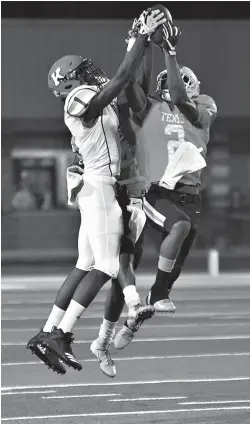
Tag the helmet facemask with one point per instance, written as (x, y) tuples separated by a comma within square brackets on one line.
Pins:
[(162, 86), (86, 73), (191, 82), (72, 71)]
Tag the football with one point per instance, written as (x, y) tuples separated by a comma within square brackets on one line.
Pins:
[(157, 37)]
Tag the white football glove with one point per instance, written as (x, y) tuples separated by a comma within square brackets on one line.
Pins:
[(149, 21)]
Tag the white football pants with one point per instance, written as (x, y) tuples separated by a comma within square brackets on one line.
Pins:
[(101, 226)]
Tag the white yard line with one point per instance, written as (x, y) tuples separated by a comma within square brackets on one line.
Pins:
[(127, 383), (214, 402), (210, 315), (147, 398), (29, 393), (141, 358), (153, 326), (116, 414), (82, 396), (155, 339)]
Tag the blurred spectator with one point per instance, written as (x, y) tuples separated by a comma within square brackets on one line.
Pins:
[(24, 199), (47, 198)]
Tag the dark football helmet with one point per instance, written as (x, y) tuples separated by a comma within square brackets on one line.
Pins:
[(69, 72)]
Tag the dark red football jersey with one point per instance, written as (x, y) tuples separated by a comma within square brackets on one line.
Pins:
[(165, 127)]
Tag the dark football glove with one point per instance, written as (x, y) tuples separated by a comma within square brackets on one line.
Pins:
[(171, 34)]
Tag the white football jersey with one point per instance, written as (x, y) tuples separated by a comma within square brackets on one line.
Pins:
[(99, 146)]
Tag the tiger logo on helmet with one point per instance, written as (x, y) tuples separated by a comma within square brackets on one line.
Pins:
[(189, 78), (69, 72)]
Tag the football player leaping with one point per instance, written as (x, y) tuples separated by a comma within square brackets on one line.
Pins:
[(90, 114), (178, 122), (134, 176)]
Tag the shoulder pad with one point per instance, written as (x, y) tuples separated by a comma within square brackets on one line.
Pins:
[(78, 99)]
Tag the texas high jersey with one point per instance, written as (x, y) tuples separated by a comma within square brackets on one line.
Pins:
[(134, 158), (99, 145), (165, 127)]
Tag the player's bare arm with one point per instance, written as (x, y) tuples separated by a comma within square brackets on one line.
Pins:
[(137, 89), (175, 83), (149, 21)]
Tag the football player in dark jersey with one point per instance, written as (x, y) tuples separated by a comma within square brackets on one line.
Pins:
[(177, 121)]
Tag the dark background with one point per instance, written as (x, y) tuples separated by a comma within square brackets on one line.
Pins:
[(215, 43), (123, 9)]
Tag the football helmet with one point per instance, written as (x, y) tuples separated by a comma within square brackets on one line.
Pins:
[(71, 71), (189, 78)]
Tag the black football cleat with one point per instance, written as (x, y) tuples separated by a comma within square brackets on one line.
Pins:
[(35, 345), (59, 343)]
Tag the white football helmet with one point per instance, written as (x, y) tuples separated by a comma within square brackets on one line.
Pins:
[(190, 80)]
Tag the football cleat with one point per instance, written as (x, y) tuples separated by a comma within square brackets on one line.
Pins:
[(124, 337), (102, 353), (136, 316), (59, 343), (162, 306), (35, 345)]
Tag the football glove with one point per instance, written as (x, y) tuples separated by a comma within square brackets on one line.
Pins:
[(171, 34), (149, 20)]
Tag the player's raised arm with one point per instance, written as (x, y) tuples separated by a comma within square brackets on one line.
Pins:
[(137, 89), (176, 86), (149, 20)]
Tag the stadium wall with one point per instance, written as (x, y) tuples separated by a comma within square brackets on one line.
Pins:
[(31, 117)]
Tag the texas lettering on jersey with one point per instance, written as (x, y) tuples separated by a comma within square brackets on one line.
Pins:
[(164, 128)]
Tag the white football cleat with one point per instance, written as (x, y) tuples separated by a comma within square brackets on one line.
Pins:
[(123, 338), (162, 306), (136, 316), (102, 353)]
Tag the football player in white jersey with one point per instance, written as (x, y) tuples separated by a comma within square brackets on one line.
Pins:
[(90, 114)]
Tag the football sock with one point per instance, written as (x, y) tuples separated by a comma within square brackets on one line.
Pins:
[(54, 319), (173, 276), (160, 288), (72, 314), (131, 296), (106, 333)]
